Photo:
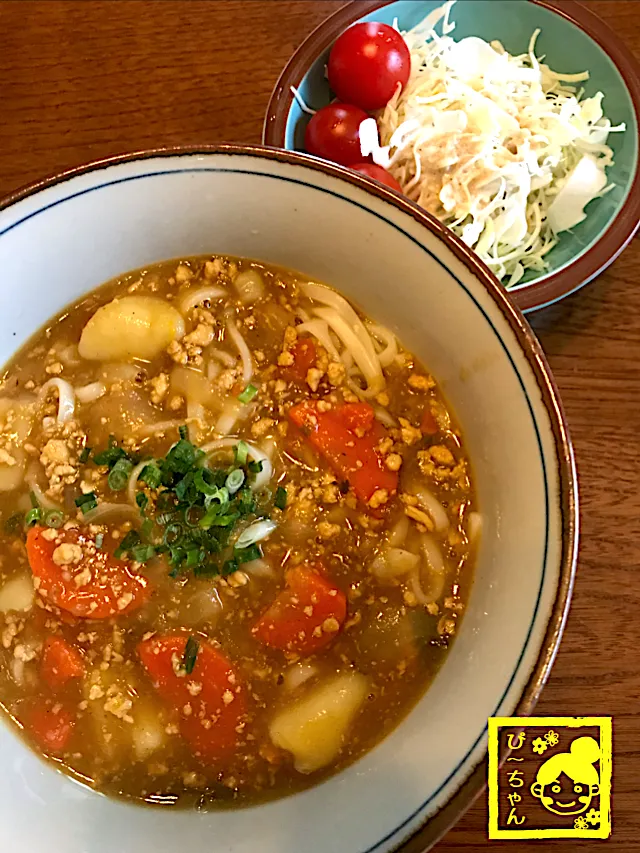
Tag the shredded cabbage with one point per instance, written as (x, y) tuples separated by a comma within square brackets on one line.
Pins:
[(500, 148)]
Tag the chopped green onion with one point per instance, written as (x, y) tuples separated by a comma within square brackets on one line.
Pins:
[(130, 540), (110, 456), (247, 555), (280, 500), (182, 457), (99, 540), (54, 518), (142, 553), (190, 655), (229, 567), (225, 520), (248, 394), (220, 498), (194, 557), (151, 475), (84, 455), (256, 532), (183, 431), (142, 500), (86, 502), (194, 511), (172, 533), (119, 475), (209, 517), (246, 502), (206, 570), (234, 481), (202, 485), (255, 466), (241, 451), (34, 514), (33, 499)]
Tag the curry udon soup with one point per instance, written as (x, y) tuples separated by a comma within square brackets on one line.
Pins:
[(237, 527)]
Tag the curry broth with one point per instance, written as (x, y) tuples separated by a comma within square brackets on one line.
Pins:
[(106, 723)]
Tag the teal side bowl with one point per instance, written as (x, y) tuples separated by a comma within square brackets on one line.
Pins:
[(571, 40)]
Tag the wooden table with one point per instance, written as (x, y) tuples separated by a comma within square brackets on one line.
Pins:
[(84, 80)]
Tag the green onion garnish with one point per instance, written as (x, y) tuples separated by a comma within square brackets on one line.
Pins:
[(189, 511), (280, 499), (229, 567), (241, 451), (34, 514), (119, 475), (33, 499), (110, 456), (190, 655), (130, 540), (151, 475), (84, 455), (194, 557), (206, 570), (87, 502), (183, 431), (99, 540), (234, 481), (54, 518), (142, 553), (248, 394), (172, 533), (247, 555), (202, 485)]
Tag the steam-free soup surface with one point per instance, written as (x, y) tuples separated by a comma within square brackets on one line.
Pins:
[(237, 520)]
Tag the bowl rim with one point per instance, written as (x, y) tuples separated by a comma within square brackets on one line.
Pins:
[(618, 233), (432, 829)]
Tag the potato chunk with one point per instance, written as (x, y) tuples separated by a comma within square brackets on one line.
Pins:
[(125, 725), (17, 594), (131, 327), (314, 729)]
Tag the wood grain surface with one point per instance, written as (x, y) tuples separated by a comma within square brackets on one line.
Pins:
[(88, 79)]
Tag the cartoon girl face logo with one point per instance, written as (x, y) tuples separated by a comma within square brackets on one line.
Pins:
[(567, 782)]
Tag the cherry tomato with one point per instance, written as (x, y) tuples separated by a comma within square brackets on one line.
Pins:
[(332, 133), (378, 174), (366, 64)]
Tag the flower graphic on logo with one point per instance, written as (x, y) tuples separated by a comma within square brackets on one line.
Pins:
[(580, 823), (552, 738), (539, 745), (593, 816)]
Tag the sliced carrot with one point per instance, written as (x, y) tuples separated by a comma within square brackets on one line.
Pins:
[(348, 437), (49, 723), (305, 616), (356, 416), (428, 424), (108, 586), (210, 701), (61, 662), (304, 357)]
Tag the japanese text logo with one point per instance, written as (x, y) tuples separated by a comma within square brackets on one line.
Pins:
[(556, 779)]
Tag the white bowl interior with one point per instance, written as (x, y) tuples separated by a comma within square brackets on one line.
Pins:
[(65, 240)]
